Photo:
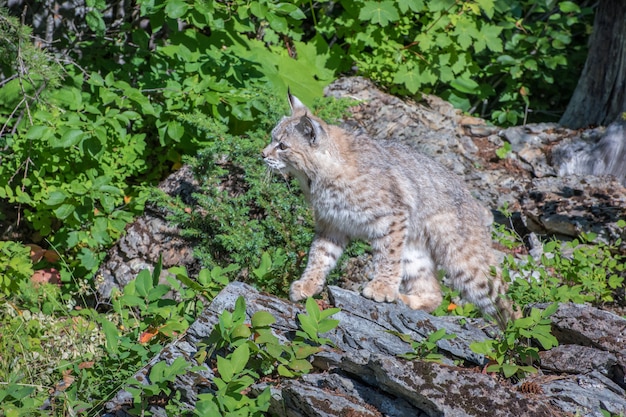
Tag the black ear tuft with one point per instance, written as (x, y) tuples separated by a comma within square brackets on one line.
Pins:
[(295, 104), (312, 130)]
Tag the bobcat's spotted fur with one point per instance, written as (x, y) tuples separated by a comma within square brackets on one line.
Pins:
[(415, 213)]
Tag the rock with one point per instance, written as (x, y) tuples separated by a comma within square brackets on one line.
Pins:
[(149, 237), (362, 375), (595, 155)]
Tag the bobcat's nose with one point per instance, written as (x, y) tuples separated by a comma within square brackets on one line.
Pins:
[(265, 152)]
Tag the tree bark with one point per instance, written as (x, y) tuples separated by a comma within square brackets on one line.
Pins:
[(600, 96)]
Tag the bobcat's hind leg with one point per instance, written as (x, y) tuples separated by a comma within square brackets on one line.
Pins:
[(420, 288)]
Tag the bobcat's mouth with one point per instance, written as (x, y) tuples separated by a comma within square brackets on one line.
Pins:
[(275, 164)]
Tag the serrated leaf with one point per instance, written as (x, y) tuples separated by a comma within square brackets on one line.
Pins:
[(487, 7), (381, 13), (414, 5), (408, 77), (490, 35)]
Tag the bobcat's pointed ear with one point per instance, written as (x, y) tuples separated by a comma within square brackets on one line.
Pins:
[(295, 104), (312, 130)]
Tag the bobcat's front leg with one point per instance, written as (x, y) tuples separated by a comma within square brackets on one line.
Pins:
[(323, 255)]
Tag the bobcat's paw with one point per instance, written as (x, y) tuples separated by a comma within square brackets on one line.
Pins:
[(304, 288), (380, 291)]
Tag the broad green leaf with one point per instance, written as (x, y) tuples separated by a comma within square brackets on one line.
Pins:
[(239, 358), (569, 7), (111, 335), (70, 138), (175, 130), (414, 5), (284, 371), (409, 77), (225, 368), (143, 283), (308, 325), (56, 197), (64, 211), (206, 406), (327, 325), (300, 365), (487, 7), (329, 312), (509, 370), (313, 309), (176, 8), (381, 13), (37, 132), (262, 319), (465, 85), (490, 34)]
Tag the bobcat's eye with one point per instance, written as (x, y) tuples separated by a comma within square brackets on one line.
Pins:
[(282, 146)]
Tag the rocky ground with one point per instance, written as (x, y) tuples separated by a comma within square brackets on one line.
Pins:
[(552, 180)]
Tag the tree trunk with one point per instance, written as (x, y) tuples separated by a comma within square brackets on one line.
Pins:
[(600, 96)]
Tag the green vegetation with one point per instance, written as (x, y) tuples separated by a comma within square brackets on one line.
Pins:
[(426, 349), (512, 354), (88, 128)]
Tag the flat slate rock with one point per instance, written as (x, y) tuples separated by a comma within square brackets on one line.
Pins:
[(363, 376)]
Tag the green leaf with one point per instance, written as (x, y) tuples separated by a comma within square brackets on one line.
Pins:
[(381, 13), (111, 335), (225, 368), (409, 77), (414, 5), (509, 370), (56, 197), (262, 319), (569, 7), (175, 130), (37, 132), (175, 9), (465, 85), (71, 137), (327, 325), (313, 309), (63, 211), (143, 283), (487, 7), (239, 358)]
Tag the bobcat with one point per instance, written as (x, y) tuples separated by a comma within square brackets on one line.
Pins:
[(415, 213)]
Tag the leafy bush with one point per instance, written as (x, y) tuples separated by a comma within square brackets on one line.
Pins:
[(578, 271), (512, 353), (497, 58), (15, 267)]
